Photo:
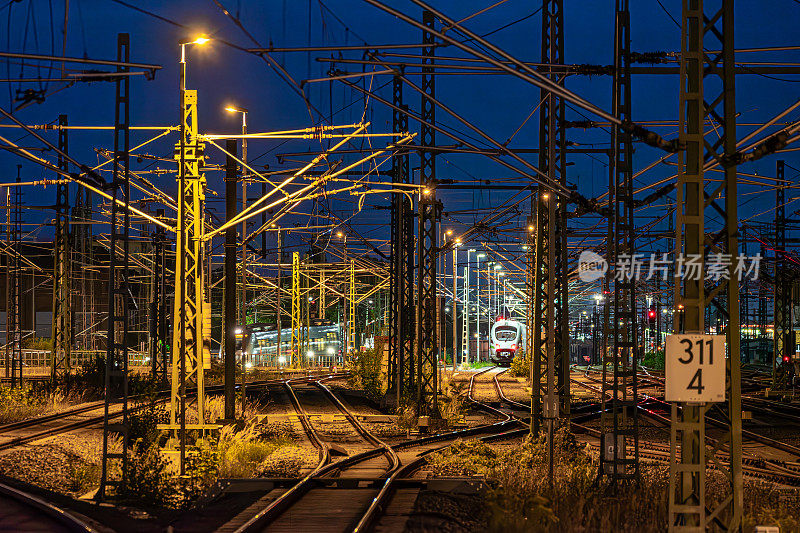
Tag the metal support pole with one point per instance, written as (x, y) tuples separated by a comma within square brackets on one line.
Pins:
[(688, 509), (399, 303), (62, 268), (279, 298), (455, 306), (429, 209), (229, 327), (782, 311), (296, 338), (190, 355), (13, 283), (158, 319), (116, 375), (351, 316), (619, 438), (550, 376)]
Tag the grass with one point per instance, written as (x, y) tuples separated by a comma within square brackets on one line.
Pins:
[(29, 401), (521, 499), (241, 452), (478, 364)]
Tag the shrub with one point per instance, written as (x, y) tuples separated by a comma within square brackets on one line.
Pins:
[(479, 364), (654, 359), (143, 425), (365, 372), (148, 479), (82, 477), (520, 367), (38, 343)]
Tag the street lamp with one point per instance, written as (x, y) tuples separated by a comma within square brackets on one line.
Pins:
[(180, 292), (478, 298), (456, 244), (465, 318)]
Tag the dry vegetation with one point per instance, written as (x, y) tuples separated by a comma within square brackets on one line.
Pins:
[(521, 499)]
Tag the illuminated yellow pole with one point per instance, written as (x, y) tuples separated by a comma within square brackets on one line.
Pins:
[(188, 347), (352, 318), (296, 319)]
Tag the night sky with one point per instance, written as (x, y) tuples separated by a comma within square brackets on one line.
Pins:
[(497, 104)]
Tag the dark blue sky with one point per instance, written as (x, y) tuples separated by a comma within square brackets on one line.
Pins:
[(497, 104)]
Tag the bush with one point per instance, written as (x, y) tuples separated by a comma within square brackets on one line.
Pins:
[(143, 425), (479, 364), (654, 359), (520, 367), (148, 479), (365, 372), (38, 343), (521, 499)]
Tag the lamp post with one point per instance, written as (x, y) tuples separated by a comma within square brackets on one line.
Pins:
[(456, 244), (465, 333), (243, 291), (179, 349), (478, 300), (500, 301)]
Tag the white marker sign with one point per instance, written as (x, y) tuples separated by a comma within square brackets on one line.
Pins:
[(695, 368)]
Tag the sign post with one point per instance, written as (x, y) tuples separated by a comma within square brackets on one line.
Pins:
[(695, 368)]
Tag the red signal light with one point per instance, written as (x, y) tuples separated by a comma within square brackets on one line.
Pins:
[(651, 314), (786, 359)]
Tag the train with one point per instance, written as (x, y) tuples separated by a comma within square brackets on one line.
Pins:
[(321, 344), (507, 341)]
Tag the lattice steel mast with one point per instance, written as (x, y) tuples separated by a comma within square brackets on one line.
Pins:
[(550, 357), (619, 439), (429, 210), (190, 308), (62, 267), (688, 509), (116, 376)]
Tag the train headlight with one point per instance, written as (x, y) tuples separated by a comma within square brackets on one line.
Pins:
[(330, 351), (310, 353)]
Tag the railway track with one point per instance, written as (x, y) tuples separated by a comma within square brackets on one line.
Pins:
[(359, 504), (782, 472), (81, 417), (23, 512)]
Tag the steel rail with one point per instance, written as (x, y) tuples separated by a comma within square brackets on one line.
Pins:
[(498, 429), (55, 513), (80, 424), (394, 461)]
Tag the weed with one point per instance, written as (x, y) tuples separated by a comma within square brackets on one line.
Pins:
[(82, 477), (28, 401), (654, 359), (241, 452), (521, 499), (148, 479)]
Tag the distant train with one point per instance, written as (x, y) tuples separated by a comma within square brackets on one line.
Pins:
[(508, 341), (321, 344)]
